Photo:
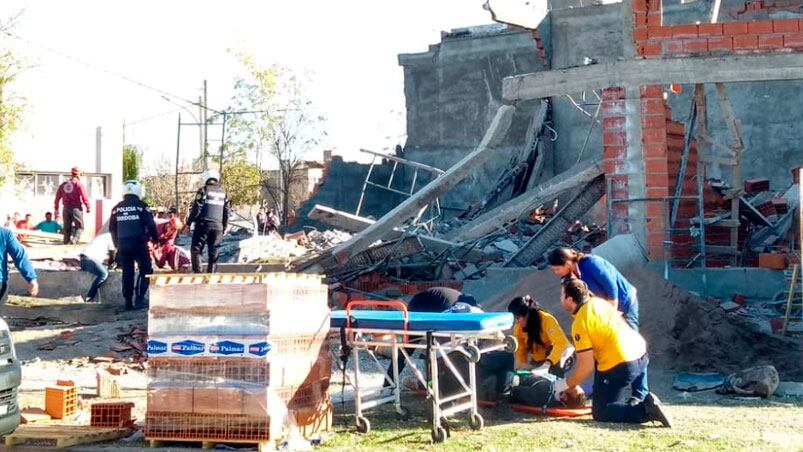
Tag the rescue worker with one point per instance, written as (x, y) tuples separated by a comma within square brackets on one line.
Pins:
[(10, 246), (615, 352), (604, 281), (72, 193), (543, 347), (210, 213), (131, 226)]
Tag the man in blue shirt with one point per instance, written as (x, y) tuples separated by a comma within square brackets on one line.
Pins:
[(10, 246)]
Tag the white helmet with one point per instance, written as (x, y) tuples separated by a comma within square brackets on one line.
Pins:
[(210, 174), (132, 187)]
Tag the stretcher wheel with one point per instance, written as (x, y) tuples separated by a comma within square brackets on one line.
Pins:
[(403, 412), (511, 344), (473, 353), (475, 421), (439, 435), (363, 426), (445, 425)]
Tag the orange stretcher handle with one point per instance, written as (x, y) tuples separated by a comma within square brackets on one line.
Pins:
[(379, 304)]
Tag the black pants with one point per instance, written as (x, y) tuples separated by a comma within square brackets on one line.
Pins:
[(3, 290), (73, 224), (612, 390), (127, 256), (209, 236)]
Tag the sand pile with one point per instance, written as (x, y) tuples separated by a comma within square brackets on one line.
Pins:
[(684, 333)]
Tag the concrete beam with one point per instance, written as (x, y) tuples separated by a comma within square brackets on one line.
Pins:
[(355, 223), (495, 218), (412, 205), (634, 73)]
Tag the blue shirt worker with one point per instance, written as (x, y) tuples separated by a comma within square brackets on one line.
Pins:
[(49, 225), (210, 213), (615, 352), (131, 225), (10, 246)]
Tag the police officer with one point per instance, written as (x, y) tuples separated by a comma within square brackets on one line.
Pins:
[(210, 213), (131, 226)]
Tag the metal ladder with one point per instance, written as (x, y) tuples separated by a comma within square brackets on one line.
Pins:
[(793, 302)]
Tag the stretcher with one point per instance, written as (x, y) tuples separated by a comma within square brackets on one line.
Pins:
[(405, 333)]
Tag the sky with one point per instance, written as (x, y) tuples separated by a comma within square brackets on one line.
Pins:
[(348, 49)]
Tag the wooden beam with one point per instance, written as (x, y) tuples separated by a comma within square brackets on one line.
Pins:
[(730, 119), (407, 209), (634, 73)]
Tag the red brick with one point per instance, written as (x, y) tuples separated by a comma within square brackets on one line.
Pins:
[(745, 42), (675, 128), (659, 32), (614, 123), (614, 152), (709, 29), (793, 40), (640, 34), (657, 192), (653, 121), (653, 136), (654, 19), (657, 180), (673, 46), (652, 106), (615, 166), (640, 19), (684, 31), (695, 45), (654, 210), (785, 26), (613, 93), (716, 43), (760, 26), (770, 42), (652, 91), (658, 165), (613, 108), (613, 138), (734, 28), (640, 5), (651, 49), (654, 150)]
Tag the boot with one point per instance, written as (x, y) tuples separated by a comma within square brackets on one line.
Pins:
[(129, 304), (652, 405)]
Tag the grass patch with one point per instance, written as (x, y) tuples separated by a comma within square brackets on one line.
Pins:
[(726, 424)]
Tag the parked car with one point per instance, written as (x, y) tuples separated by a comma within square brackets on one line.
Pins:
[(10, 378)]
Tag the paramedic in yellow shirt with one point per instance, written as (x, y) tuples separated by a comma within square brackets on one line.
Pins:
[(617, 354), (543, 346)]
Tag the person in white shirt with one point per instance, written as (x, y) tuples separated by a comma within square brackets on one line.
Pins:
[(95, 258)]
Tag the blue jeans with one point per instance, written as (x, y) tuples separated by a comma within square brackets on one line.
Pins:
[(611, 395), (640, 385), (96, 268)]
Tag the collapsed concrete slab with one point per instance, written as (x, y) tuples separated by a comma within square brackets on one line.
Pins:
[(516, 207), (411, 206)]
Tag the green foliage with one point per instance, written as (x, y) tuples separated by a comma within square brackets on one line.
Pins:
[(241, 180), (132, 162)]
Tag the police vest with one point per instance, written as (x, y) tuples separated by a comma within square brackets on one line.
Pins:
[(214, 202), (129, 221)]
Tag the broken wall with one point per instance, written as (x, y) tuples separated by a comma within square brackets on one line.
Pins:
[(452, 92)]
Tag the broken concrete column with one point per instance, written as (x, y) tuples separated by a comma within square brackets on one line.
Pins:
[(439, 186)]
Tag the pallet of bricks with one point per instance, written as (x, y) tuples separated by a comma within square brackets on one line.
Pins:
[(237, 358)]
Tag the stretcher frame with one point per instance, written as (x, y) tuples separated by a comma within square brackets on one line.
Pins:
[(404, 343)]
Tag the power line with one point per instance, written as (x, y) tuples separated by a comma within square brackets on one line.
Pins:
[(153, 117), (108, 72)]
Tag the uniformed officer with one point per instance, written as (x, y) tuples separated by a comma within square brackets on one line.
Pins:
[(210, 213), (131, 226)]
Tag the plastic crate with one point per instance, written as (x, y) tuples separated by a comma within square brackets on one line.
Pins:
[(114, 415), (61, 401), (206, 426)]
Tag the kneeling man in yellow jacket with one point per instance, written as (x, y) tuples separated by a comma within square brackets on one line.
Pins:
[(607, 344)]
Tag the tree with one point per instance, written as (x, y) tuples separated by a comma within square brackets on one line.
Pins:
[(132, 162), (241, 180), (285, 126), (160, 186), (11, 107)]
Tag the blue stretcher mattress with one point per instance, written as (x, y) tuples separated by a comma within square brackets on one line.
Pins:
[(424, 321)]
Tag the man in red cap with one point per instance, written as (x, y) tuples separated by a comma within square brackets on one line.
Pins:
[(73, 194)]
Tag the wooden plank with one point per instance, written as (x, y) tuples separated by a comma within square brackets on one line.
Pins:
[(706, 138), (65, 435), (730, 119), (792, 286)]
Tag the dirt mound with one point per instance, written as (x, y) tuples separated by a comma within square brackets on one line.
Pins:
[(683, 331)]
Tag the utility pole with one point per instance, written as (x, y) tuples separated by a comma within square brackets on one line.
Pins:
[(201, 106), (204, 127)]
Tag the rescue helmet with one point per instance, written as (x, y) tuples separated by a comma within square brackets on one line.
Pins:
[(132, 187), (210, 174)]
